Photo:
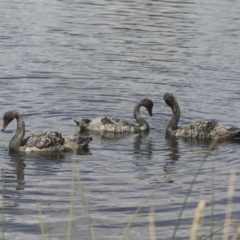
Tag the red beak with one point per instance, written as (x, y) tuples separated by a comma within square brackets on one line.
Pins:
[(4, 126), (174, 109)]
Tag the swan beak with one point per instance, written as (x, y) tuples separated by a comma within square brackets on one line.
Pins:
[(150, 112), (4, 126), (77, 122)]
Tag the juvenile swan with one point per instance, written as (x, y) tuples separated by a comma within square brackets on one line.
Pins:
[(203, 129), (112, 124), (40, 141)]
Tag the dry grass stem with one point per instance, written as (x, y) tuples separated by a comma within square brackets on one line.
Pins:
[(237, 234), (152, 232), (229, 205), (197, 219)]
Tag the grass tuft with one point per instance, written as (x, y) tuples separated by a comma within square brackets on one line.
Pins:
[(190, 188), (197, 225)]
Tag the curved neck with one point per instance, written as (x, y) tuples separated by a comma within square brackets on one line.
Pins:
[(173, 122), (136, 112), (17, 139)]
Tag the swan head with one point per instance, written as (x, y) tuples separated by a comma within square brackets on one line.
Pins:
[(8, 117), (170, 101), (148, 104)]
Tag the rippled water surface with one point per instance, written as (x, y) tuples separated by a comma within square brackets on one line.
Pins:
[(62, 60)]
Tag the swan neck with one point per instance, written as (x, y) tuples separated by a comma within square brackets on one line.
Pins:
[(17, 139), (173, 122), (136, 112)]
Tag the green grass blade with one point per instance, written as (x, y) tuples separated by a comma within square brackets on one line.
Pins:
[(213, 232), (125, 232), (190, 189), (41, 221), (3, 206), (85, 205), (69, 231)]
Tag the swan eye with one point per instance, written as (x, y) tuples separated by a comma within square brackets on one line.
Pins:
[(169, 102)]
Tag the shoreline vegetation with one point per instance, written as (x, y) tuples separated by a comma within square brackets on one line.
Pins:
[(196, 231)]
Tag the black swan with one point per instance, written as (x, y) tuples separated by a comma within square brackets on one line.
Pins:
[(112, 124), (40, 141), (202, 129)]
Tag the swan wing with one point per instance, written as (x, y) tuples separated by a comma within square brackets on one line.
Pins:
[(43, 140), (115, 121), (198, 129), (107, 124)]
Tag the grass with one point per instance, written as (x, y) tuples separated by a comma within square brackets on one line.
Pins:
[(152, 234), (3, 206), (69, 231), (225, 226), (41, 221), (76, 175), (197, 219), (197, 230), (207, 151)]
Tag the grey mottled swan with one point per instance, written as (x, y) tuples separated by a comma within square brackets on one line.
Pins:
[(40, 141), (112, 124), (202, 129)]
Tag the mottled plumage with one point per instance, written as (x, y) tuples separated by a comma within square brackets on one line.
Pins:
[(113, 124), (40, 141), (43, 140), (202, 129)]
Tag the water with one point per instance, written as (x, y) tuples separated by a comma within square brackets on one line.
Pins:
[(63, 60)]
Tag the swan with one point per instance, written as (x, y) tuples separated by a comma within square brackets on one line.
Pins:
[(202, 129), (112, 124), (40, 141)]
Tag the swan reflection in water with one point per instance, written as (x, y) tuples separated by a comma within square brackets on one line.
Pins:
[(199, 147), (172, 155), (106, 136), (46, 160), (17, 163), (172, 144), (143, 146)]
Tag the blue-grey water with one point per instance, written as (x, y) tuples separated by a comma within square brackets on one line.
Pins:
[(62, 60)]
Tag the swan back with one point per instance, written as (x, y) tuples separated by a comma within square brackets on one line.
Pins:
[(202, 129), (45, 140), (108, 124)]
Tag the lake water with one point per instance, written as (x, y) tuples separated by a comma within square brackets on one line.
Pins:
[(64, 60)]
